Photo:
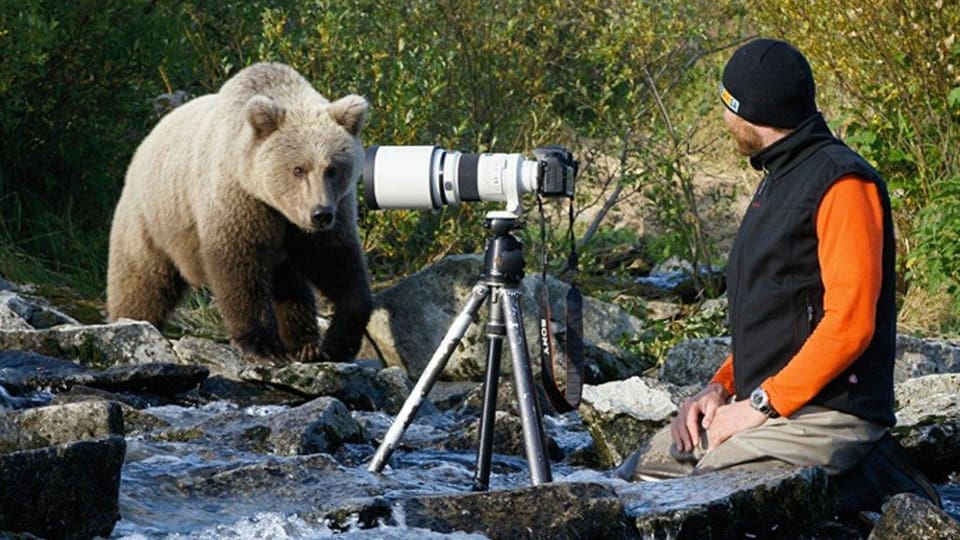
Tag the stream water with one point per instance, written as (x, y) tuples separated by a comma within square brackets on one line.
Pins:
[(201, 490), (158, 498)]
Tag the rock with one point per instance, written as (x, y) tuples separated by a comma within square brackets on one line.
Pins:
[(19, 312), (135, 421), (929, 429), (321, 425), (80, 392), (622, 415), (65, 491), (906, 515), (556, 511), (59, 424), (447, 395), (24, 371), (153, 379), (508, 437), (225, 381), (779, 503), (359, 387), (917, 357), (694, 361), (245, 393), (307, 485), (917, 391), (413, 316), (95, 346), (658, 310), (219, 358), (677, 279)]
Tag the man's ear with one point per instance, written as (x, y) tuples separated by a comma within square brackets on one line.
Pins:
[(264, 114), (350, 112)]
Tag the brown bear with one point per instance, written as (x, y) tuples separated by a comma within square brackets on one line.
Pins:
[(252, 192)]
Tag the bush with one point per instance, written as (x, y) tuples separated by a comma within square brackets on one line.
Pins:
[(76, 80)]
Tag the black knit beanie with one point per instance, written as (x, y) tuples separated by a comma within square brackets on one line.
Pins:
[(769, 82)]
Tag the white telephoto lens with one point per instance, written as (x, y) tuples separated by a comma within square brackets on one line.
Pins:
[(403, 177)]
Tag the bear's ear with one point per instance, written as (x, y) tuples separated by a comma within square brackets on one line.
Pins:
[(350, 112), (264, 114)]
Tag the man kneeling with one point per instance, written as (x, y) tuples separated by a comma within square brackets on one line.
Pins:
[(810, 284)]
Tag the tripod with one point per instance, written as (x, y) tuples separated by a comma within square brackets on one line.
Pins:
[(503, 270)]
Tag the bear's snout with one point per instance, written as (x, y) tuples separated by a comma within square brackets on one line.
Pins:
[(322, 217)]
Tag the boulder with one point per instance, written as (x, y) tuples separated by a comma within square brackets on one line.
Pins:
[(321, 425), (556, 511), (694, 361), (359, 387), (21, 312), (917, 357), (928, 426), (906, 515), (779, 502), (69, 490), (413, 316), (622, 415), (59, 424), (98, 346), (25, 371)]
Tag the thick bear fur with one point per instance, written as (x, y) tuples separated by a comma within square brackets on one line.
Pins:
[(252, 192)]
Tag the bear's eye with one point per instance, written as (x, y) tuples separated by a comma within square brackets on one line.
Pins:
[(299, 172), (332, 172)]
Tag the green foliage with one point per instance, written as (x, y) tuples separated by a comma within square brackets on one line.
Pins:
[(707, 319), (628, 86), (76, 80)]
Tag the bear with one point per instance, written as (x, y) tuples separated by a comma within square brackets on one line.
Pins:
[(251, 192)]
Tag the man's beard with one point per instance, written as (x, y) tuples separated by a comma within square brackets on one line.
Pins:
[(748, 140)]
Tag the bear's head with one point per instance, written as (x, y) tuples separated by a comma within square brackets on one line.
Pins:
[(306, 157)]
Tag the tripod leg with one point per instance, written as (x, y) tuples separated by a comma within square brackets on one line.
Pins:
[(430, 374), (491, 382), (533, 438)]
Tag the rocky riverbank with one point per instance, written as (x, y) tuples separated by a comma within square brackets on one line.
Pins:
[(115, 430)]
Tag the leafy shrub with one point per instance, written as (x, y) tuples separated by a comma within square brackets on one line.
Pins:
[(76, 80)]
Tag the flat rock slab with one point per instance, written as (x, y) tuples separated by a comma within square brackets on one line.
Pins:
[(731, 504), (23, 371), (363, 388), (555, 511), (97, 346)]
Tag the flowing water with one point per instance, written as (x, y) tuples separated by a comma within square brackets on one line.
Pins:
[(159, 499), (189, 490)]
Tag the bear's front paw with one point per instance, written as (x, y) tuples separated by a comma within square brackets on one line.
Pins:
[(311, 353), (260, 355), (263, 360)]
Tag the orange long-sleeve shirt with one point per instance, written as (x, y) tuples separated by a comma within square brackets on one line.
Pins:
[(850, 242)]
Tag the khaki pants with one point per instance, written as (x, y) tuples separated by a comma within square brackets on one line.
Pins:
[(812, 436)]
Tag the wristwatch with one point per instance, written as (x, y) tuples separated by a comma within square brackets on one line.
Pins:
[(760, 401)]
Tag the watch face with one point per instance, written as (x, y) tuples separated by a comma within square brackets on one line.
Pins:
[(758, 399)]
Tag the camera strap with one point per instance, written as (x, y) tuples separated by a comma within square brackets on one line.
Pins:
[(568, 399)]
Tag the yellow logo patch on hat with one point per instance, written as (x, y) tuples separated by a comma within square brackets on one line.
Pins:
[(728, 99)]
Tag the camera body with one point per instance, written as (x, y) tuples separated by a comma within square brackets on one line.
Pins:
[(429, 177), (557, 171)]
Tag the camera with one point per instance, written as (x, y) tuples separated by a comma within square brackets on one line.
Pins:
[(429, 177)]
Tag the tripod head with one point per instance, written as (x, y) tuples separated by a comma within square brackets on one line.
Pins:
[(503, 259)]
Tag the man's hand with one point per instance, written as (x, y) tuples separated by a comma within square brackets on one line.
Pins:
[(685, 428), (728, 420)]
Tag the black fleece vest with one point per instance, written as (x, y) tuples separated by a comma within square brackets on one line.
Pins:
[(774, 284)]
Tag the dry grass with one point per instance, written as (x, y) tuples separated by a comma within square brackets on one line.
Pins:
[(925, 313)]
